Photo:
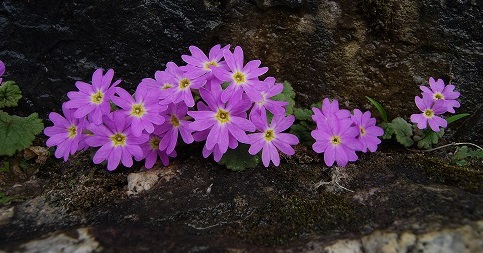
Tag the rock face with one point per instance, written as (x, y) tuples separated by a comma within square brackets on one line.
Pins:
[(338, 49), (342, 49)]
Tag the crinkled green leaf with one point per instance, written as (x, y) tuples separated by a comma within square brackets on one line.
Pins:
[(478, 153), (317, 105), (379, 108), (403, 131), (302, 132), (287, 95), (461, 153), (456, 117), (302, 114), (10, 94), (239, 159), (388, 131), (17, 133), (429, 139)]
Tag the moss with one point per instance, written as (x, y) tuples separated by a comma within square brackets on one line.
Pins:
[(439, 170), (379, 14), (287, 218)]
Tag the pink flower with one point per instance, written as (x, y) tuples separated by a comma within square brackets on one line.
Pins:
[(368, 131), (336, 138), (222, 119), (268, 89), (116, 140), (184, 83), (329, 109), (241, 78), (430, 109), (175, 124), (161, 83), (439, 91), (66, 133), (151, 151), (2, 70), (200, 65), (93, 100), (271, 139), (143, 110)]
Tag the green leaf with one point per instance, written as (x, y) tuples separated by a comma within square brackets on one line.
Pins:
[(224, 85), (239, 159), (478, 154), (388, 131), (403, 131), (463, 154), (302, 114), (429, 139), (17, 133), (456, 117), (9, 94), (303, 133), (379, 108), (287, 95)]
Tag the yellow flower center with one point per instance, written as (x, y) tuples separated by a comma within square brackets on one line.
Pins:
[(239, 77), (428, 113), (438, 96), (335, 140), (154, 143), (174, 121), (184, 83), (209, 64), (222, 116), (363, 131), (118, 139), (137, 110), (97, 97), (166, 86), (269, 135), (72, 130)]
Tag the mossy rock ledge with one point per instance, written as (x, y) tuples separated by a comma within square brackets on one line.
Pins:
[(388, 200)]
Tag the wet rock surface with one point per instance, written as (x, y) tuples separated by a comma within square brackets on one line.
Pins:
[(384, 49), (339, 49)]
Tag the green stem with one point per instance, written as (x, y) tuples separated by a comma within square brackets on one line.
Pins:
[(450, 145)]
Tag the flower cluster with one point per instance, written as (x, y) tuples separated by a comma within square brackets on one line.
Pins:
[(232, 109), (339, 134), (436, 100)]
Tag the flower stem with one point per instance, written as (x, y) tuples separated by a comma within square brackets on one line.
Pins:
[(452, 144)]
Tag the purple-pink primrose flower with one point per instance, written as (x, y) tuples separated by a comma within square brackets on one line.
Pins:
[(329, 109), (93, 100), (66, 133), (337, 139), (271, 139), (268, 89), (2, 70), (200, 65), (151, 151), (161, 83), (175, 123), (241, 77), (181, 91), (223, 119), (430, 110), (143, 109), (368, 131), (116, 141), (439, 91)]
